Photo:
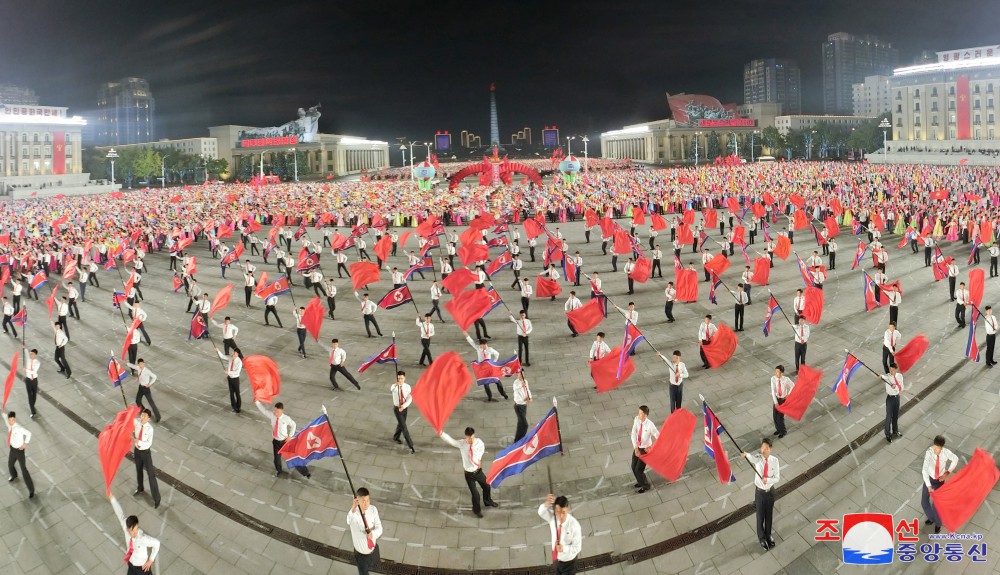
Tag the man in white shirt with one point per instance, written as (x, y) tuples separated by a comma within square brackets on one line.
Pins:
[(595, 286), (939, 462), (142, 439), (894, 297), (523, 328), (485, 352), (706, 331), (71, 295), (31, 368), (249, 283), (599, 349), (578, 262), (643, 434), (567, 539), (282, 429), (832, 252), (952, 270), (799, 304), (472, 449), (205, 306), (657, 256), (994, 256), (234, 366), (678, 373), (435, 300), (17, 440), (401, 400), (330, 291), (781, 386), (141, 549), (8, 313), (522, 397), (229, 333), (747, 277), (766, 478), (145, 378), (670, 293), (338, 364), (526, 292), (572, 303), (629, 266), (426, 329), (961, 300), (60, 354), (368, 308), (801, 330), (991, 334), (893, 387), (63, 311), (740, 306), (366, 530), (890, 341)]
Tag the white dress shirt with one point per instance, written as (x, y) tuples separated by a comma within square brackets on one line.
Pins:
[(568, 533), (61, 339), (599, 350), (945, 461), (706, 331), (771, 477), (521, 391), (31, 368), (524, 327), (991, 324), (670, 293), (643, 433), (145, 376), (286, 425), (400, 395), (678, 371), (144, 547), (472, 455), (893, 383), (235, 365), (357, 525), (780, 388), (426, 329), (890, 338), (338, 356), (961, 297), (481, 354), (19, 436), (526, 289), (801, 332), (143, 435), (632, 316)]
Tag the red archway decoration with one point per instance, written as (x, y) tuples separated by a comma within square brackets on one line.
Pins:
[(485, 171)]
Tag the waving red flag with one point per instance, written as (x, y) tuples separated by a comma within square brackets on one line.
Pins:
[(401, 242), (426, 227), (797, 200), (532, 228), (363, 273), (470, 236), (261, 283), (605, 370), (814, 304), (312, 317), (799, 220), (687, 285), (761, 271), (483, 221), (832, 229), (264, 377), (459, 280), (441, 387), (468, 306), (802, 394), (722, 346), (382, 247), (641, 271), (638, 216), (911, 352), (114, 442), (10, 379), (669, 452), (718, 264), (732, 204), (684, 235), (135, 324), (977, 283), (221, 300), (711, 218), (470, 254), (758, 210), (783, 247), (623, 245), (739, 235), (545, 287), (688, 217), (588, 316), (658, 222), (960, 497)]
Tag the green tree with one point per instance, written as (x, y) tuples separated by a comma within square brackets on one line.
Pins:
[(96, 164), (147, 164), (772, 139), (714, 146), (216, 167)]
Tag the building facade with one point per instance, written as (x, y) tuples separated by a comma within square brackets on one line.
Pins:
[(786, 124), (871, 97), (847, 60), (11, 94), (663, 142), (126, 112), (773, 80), (204, 147)]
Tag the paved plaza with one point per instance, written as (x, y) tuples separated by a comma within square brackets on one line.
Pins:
[(224, 511)]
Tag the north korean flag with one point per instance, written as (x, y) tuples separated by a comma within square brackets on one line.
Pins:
[(37, 280), (307, 262), (542, 442), (495, 300), (314, 441), (489, 371), (424, 265), (395, 298), (117, 298), (502, 261), (198, 327), (713, 445), (497, 242), (20, 318), (300, 232), (432, 243), (116, 373), (385, 356), (233, 256)]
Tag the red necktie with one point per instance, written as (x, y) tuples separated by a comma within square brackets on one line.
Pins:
[(276, 428), (472, 458), (763, 479), (676, 375), (400, 395), (638, 442), (779, 387), (140, 432), (128, 555), (555, 548), (231, 362), (937, 465), (526, 391), (9, 432)]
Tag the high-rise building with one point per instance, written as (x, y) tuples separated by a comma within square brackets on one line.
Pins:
[(494, 124), (125, 113), (773, 80), (847, 60), (871, 97), (11, 94)]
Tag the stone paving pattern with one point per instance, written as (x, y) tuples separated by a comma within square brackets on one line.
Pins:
[(423, 500)]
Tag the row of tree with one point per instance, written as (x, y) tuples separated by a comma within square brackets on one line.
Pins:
[(135, 165)]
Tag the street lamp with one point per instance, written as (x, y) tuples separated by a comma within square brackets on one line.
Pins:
[(163, 171), (569, 145), (586, 161), (112, 154), (885, 125), (809, 143), (751, 144), (697, 136), (295, 158), (736, 144), (402, 148)]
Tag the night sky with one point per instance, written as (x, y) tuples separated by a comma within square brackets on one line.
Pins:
[(390, 69)]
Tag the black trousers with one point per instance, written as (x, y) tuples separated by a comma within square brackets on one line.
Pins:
[(370, 321), (65, 325), (335, 369), (763, 501), (32, 386), (993, 266), (927, 256), (925, 502), (276, 445), (17, 456), (746, 290), (960, 314), (951, 287), (367, 562), (435, 308), (342, 269), (142, 392), (489, 393), (133, 352), (401, 428), (271, 310), (524, 304), (656, 268), (833, 260), (738, 320), (301, 333), (144, 463), (6, 322), (668, 310), (888, 359), (676, 395), (60, 359), (73, 310), (472, 479), (991, 341), (235, 400), (572, 329), (229, 343), (481, 324), (639, 471), (891, 415), (778, 417), (331, 305), (521, 411), (894, 314), (523, 350), (247, 291), (425, 343), (800, 354)]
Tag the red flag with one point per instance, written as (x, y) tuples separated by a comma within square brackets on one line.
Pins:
[(783, 247), (441, 387), (711, 218), (264, 377), (761, 271), (958, 499), (382, 247), (758, 210), (977, 282), (131, 330), (638, 217), (483, 221), (588, 316), (51, 300), (545, 287), (814, 304), (591, 216), (939, 195), (10, 379), (261, 283), (469, 254), (911, 352), (687, 285), (532, 228), (363, 273), (426, 227), (312, 317), (799, 220), (688, 217), (669, 452), (797, 200), (641, 271), (459, 280), (658, 222), (175, 199), (684, 235), (802, 393), (221, 300), (401, 242), (732, 204), (114, 442), (622, 245), (721, 347), (832, 229), (468, 306), (717, 265), (604, 371)]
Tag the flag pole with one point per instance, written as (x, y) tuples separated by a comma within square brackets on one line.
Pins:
[(121, 384), (340, 452), (499, 297), (618, 309), (221, 362), (724, 428), (879, 375), (779, 307)]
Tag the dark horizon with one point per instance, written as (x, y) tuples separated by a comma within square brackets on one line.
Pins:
[(384, 70)]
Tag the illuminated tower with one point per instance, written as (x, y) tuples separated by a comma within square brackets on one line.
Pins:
[(494, 124)]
